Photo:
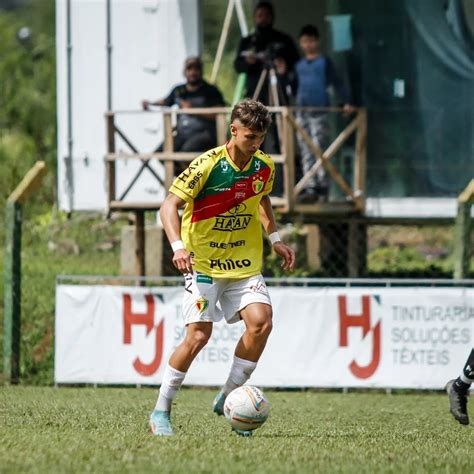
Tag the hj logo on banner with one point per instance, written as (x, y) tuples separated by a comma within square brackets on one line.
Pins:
[(146, 319), (368, 326)]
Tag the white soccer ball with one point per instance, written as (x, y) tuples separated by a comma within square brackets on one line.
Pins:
[(246, 408)]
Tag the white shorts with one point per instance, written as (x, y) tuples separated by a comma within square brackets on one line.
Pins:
[(209, 299)]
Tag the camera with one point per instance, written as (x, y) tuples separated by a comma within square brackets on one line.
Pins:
[(273, 51), (269, 54)]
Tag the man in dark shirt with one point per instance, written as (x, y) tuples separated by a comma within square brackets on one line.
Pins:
[(265, 48), (265, 45), (193, 132)]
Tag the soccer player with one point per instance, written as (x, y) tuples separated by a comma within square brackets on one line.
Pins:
[(458, 391), (218, 247)]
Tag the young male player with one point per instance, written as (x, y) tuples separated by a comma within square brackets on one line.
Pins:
[(218, 247), (458, 391)]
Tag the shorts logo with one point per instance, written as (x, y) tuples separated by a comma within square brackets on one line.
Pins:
[(259, 288), (229, 264), (202, 304), (201, 278), (257, 184)]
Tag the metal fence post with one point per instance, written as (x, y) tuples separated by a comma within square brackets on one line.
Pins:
[(12, 296), (12, 276)]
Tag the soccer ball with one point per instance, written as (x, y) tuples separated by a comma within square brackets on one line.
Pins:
[(246, 408)]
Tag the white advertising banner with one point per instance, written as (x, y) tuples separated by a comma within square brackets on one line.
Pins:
[(322, 337)]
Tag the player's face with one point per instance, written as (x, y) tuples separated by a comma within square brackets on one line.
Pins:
[(309, 44), (263, 18), (193, 74), (247, 140)]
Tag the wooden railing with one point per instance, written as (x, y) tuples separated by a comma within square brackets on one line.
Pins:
[(354, 194)]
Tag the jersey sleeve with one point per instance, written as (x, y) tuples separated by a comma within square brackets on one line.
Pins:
[(190, 182), (269, 183)]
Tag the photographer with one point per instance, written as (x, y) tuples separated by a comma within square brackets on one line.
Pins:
[(266, 45)]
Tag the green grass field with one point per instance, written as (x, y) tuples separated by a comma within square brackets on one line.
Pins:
[(106, 430)]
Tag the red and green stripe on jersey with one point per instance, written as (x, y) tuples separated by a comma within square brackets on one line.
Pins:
[(227, 187)]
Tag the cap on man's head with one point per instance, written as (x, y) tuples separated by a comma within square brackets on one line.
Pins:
[(193, 61)]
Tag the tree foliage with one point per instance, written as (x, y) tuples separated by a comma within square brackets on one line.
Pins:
[(27, 91)]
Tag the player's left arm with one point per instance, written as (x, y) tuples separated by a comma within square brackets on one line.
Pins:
[(268, 221)]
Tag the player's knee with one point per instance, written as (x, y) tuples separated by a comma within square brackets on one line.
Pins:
[(198, 339), (262, 327)]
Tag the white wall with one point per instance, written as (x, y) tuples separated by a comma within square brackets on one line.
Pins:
[(150, 40)]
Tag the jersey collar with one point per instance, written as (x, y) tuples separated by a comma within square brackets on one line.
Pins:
[(234, 166)]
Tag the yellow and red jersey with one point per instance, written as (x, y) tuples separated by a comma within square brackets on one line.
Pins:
[(221, 224)]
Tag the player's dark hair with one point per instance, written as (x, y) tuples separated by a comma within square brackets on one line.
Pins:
[(252, 114), (267, 6), (309, 30)]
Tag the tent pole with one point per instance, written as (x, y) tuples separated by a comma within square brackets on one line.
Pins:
[(222, 40), (244, 31)]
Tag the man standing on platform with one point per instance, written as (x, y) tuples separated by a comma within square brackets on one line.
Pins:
[(265, 47)]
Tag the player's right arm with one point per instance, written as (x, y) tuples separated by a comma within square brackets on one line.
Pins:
[(172, 224)]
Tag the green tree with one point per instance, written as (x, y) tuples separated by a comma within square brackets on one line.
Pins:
[(27, 92)]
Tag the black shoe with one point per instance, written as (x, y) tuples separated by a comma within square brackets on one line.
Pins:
[(457, 403)]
